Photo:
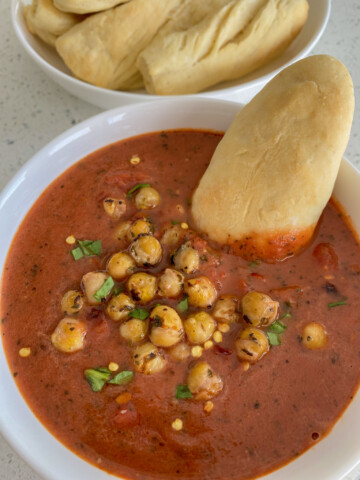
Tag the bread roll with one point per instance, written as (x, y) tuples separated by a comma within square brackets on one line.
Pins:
[(274, 170), (102, 49), (46, 21), (235, 39), (86, 6)]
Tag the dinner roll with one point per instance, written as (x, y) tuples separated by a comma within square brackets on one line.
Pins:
[(274, 170)]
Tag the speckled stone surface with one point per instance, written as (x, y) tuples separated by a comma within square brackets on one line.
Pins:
[(34, 110)]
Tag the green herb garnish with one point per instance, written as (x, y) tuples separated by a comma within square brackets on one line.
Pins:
[(188, 201), (97, 377), (286, 315), (104, 290), (175, 222), (118, 290), (277, 327), (90, 247), (77, 253), (337, 304), (254, 263), (139, 313), (182, 391), (274, 338), (122, 378), (183, 305), (139, 185)]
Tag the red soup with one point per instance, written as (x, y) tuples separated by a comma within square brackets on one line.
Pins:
[(152, 353)]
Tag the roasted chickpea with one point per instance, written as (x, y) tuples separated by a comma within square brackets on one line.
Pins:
[(180, 352), (119, 307), (166, 326), (170, 283), (201, 292), (72, 302), (172, 235), (187, 259), (225, 309), (203, 383), (259, 309), (142, 287), (199, 327), (251, 345), (114, 207), (91, 282), (146, 250), (140, 226), (121, 265), (69, 335), (147, 198), (148, 359), (314, 336), (134, 330), (121, 231)]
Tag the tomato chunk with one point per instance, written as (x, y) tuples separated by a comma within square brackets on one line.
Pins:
[(326, 256)]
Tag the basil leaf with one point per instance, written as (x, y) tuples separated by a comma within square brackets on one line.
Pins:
[(122, 378), (337, 304), (286, 315), (182, 391), (139, 313), (104, 290), (118, 290), (274, 338), (90, 247), (277, 327), (183, 305), (139, 185), (97, 377), (175, 222), (77, 253)]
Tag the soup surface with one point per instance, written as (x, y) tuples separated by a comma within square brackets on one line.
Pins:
[(143, 416)]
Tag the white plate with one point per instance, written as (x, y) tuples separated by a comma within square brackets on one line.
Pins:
[(239, 90), (330, 459)]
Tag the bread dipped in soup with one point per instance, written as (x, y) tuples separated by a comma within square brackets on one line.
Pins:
[(274, 170)]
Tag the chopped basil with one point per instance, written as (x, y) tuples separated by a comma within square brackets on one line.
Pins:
[(274, 338), (97, 377), (122, 378), (254, 263), (104, 290), (182, 391), (139, 313), (277, 327), (286, 315), (175, 222), (139, 185), (77, 253), (337, 304), (118, 290), (183, 305), (90, 247)]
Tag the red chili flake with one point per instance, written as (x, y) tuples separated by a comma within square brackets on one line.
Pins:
[(126, 417), (315, 436), (222, 350), (257, 275)]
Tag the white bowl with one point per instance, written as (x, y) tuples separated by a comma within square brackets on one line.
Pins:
[(239, 90), (330, 459)]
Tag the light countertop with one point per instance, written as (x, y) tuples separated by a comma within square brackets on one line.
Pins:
[(34, 110)]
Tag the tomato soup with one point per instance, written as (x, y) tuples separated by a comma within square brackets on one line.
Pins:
[(152, 353)]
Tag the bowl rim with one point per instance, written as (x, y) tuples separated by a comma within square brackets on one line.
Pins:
[(139, 96)]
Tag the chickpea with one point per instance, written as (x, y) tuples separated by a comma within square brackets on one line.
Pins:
[(199, 327), (170, 283), (187, 259), (259, 309), (314, 336), (226, 309), (251, 345), (148, 359), (147, 198), (134, 330), (69, 335), (140, 226), (114, 207), (166, 326), (119, 307), (72, 302), (180, 352), (121, 265), (203, 383), (172, 235), (201, 292), (146, 250), (91, 282), (142, 287), (121, 231)]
